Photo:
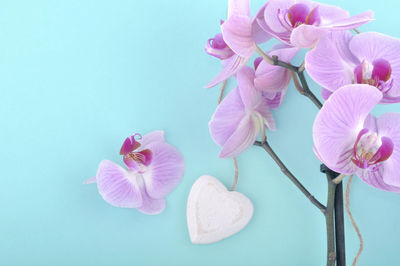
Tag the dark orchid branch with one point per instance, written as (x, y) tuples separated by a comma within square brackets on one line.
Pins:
[(289, 174), (330, 223), (335, 227), (306, 90), (328, 210), (275, 61), (339, 218)]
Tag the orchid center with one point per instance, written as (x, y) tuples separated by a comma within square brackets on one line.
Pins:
[(217, 47), (134, 159), (378, 74), (299, 14), (370, 149)]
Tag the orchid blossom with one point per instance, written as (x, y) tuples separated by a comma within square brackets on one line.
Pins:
[(241, 116), (349, 140), (155, 168), (302, 23), (272, 80), (237, 41), (367, 58)]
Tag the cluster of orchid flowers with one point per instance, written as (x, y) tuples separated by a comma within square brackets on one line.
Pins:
[(356, 72)]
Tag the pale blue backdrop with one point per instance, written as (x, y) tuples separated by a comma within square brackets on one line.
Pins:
[(77, 77)]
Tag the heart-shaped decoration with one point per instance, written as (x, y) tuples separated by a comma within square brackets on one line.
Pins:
[(214, 213)]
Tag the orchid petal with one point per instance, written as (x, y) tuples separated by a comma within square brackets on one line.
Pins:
[(165, 171), (307, 36), (271, 14), (237, 33), (335, 70), (388, 100), (229, 67), (258, 33), (339, 121), (270, 78), (245, 79), (282, 36), (244, 136), (325, 94), (330, 13), (370, 123), (150, 205), (375, 179), (389, 126), (226, 118), (351, 22), (372, 46), (274, 100), (238, 8), (117, 186), (154, 136), (264, 110)]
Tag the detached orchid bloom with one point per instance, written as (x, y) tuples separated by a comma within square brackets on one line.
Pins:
[(239, 118), (349, 140), (155, 168), (272, 80), (301, 22), (367, 58), (237, 42)]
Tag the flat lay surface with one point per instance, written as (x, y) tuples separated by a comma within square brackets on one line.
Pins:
[(78, 77)]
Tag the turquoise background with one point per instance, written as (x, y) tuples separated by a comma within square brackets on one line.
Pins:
[(77, 77)]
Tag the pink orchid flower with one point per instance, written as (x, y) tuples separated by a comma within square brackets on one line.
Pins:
[(237, 41), (155, 168), (349, 140), (366, 58), (272, 80), (237, 121), (301, 22)]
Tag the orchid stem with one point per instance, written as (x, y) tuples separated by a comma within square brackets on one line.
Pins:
[(339, 226), (297, 83), (307, 92), (339, 216), (292, 178), (336, 197), (235, 180), (338, 179), (330, 224), (222, 90)]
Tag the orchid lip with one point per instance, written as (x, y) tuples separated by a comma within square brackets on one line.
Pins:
[(257, 62), (367, 152), (130, 144), (218, 48), (377, 74), (297, 15), (135, 160)]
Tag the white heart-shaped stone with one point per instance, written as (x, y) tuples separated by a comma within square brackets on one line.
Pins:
[(214, 213)]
